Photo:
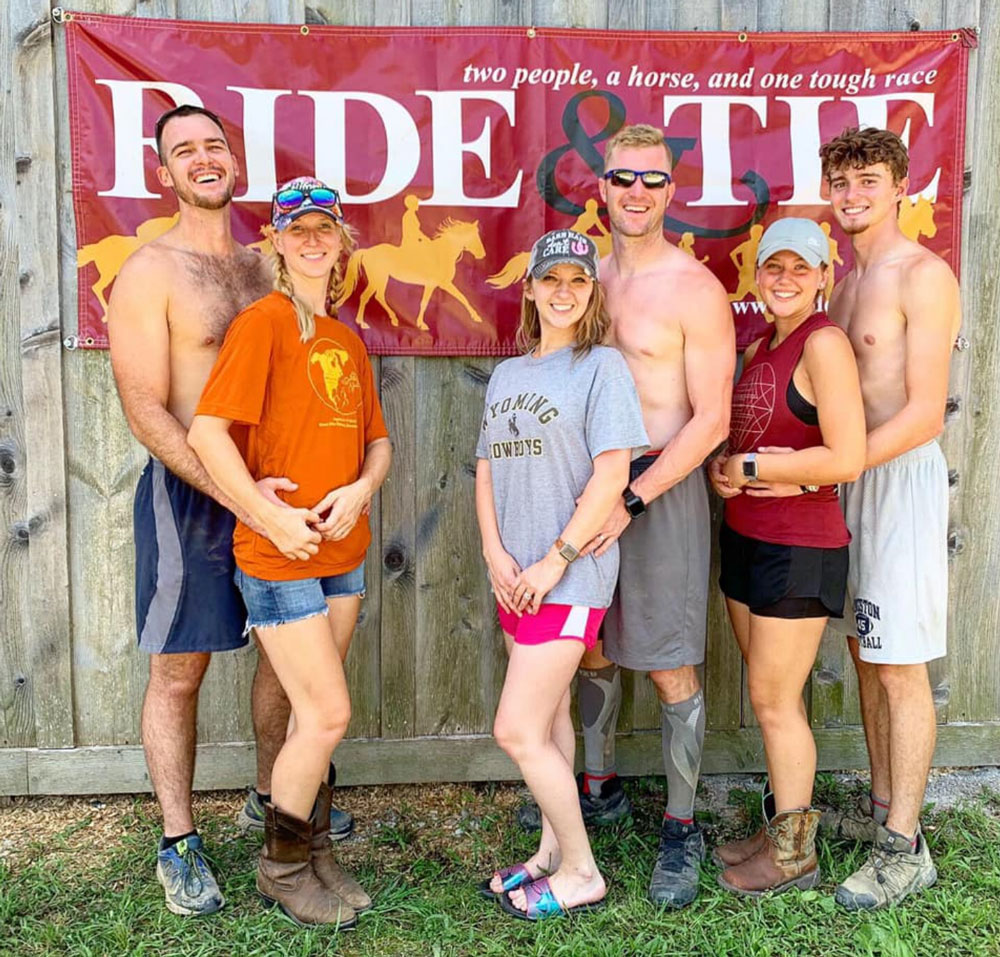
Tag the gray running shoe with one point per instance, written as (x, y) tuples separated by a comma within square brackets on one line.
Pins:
[(893, 871), (608, 807), (675, 876), (190, 888), (856, 823), (251, 818)]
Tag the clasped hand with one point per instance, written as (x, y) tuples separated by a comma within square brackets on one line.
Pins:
[(297, 532), (725, 472)]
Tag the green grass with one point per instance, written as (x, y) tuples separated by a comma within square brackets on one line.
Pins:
[(73, 896)]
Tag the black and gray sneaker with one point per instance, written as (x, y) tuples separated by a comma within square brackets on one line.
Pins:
[(251, 818), (608, 807), (675, 877)]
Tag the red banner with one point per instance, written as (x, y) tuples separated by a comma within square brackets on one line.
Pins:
[(478, 140)]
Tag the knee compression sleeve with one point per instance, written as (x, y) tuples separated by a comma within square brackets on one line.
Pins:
[(599, 694), (683, 737)]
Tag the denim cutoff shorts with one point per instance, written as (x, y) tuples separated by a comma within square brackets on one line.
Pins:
[(271, 603)]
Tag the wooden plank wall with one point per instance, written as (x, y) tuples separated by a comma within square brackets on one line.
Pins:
[(427, 662)]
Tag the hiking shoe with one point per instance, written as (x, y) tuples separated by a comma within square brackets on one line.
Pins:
[(608, 807), (251, 818), (187, 880), (675, 876), (893, 870), (856, 823)]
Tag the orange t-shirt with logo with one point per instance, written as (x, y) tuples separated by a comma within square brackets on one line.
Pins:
[(307, 410)]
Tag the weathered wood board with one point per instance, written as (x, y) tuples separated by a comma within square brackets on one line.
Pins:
[(427, 662)]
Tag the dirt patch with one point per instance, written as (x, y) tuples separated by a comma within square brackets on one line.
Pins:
[(445, 816), (448, 821)]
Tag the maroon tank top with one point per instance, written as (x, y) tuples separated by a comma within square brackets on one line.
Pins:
[(760, 417)]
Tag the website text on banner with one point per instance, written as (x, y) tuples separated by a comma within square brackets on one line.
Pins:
[(454, 148)]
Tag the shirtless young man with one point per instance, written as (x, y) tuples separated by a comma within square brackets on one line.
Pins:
[(671, 320), (900, 308), (169, 310)]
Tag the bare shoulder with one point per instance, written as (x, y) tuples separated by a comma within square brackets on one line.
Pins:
[(924, 271), (703, 297), (928, 294), (142, 286), (149, 263), (824, 339)]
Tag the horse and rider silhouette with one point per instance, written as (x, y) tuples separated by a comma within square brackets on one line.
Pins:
[(419, 260)]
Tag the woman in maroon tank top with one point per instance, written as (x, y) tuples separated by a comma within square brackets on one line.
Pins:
[(797, 429)]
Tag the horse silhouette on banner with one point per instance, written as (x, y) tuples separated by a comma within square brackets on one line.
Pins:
[(418, 260)]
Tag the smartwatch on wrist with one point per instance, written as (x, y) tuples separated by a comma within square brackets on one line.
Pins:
[(569, 553), (634, 505), (809, 488), (750, 466)]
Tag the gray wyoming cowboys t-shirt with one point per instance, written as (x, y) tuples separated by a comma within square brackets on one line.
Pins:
[(545, 421)]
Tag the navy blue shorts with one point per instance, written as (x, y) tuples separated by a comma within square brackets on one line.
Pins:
[(185, 597)]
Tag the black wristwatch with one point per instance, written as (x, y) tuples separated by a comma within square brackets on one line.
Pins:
[(634, 505), (750, 466)]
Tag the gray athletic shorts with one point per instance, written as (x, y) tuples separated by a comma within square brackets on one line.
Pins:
[(656, 621), (897, 582)]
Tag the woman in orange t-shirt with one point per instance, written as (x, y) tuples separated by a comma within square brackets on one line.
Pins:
[(298, 386)]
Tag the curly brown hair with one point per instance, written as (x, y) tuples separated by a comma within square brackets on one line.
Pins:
[(857, 148)]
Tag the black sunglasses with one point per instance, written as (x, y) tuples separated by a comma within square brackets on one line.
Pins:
[(288, 200), (651, 178)]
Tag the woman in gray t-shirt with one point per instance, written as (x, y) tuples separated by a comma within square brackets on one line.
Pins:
[(561, 423)]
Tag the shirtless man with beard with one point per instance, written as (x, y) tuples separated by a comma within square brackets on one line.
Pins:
[(672, 322), (900, 308), (169, 311)]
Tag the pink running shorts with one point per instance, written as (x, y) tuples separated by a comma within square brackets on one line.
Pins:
[(552, 623)]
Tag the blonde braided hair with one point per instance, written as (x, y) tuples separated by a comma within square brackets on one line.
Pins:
[(283, 281)]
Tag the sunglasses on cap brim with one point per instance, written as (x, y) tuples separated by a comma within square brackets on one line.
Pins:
[(651, 178), (288, 200)]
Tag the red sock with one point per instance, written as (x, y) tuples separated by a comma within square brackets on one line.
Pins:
[(599, 779), (682, 820)]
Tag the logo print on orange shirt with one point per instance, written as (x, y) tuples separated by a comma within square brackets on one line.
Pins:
[(334, 380)]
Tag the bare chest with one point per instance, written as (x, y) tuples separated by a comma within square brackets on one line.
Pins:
[(869, 311), (208, 292), (645, 326)]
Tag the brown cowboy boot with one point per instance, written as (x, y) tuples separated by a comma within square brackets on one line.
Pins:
[(736, 852), (787, 859), (326, 868), (285, 876)]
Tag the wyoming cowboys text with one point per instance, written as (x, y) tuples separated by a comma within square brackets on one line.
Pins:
[(530, 403)]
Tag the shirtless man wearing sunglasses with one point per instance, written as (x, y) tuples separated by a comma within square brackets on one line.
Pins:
[(671, 320), (169, 311)]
